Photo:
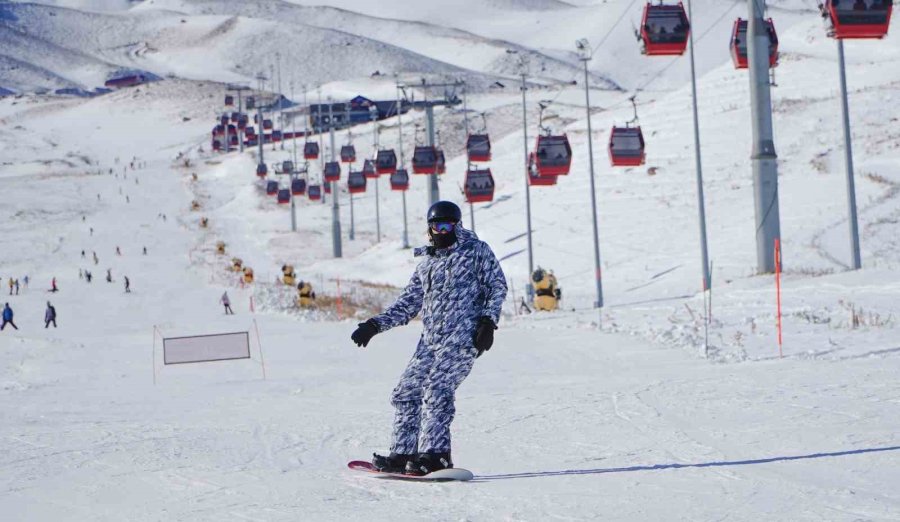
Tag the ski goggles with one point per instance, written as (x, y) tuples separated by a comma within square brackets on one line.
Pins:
[(442, 227)]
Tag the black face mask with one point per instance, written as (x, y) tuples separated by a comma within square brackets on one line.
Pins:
[(442, 240)]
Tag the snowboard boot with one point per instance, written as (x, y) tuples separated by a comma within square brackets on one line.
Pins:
[(393, 463), (426, 463)]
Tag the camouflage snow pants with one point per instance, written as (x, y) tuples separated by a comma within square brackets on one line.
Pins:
[(425, 395)]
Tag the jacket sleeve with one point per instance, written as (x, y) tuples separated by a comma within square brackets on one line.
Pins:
[(494, 282), (405, 308)]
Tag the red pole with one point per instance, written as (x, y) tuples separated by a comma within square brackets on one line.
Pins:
[(778, 290)]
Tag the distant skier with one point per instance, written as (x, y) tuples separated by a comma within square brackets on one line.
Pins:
[(82, 254), (227, 303), (50, 316), (8, 318), (26, 280), (127, 285), (17, 286), (80, 274), (118, 252), (96, 259), (109, 275), (11, 285), (145, 251), (53, 287), (459, 288), (88, 276)]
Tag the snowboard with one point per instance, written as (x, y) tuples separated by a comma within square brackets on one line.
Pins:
[(444, 475)]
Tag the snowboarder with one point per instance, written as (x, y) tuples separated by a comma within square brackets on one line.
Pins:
[(53, 287), (127, 285), (50, 316), (8, 318), (459, 287), (227, 302)]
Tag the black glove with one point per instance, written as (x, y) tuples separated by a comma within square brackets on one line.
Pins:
[(484, 335), (365, 332)]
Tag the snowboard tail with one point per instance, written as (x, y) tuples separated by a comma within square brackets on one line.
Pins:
[(443, 475)]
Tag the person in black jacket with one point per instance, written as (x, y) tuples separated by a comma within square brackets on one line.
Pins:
[(50, 316)]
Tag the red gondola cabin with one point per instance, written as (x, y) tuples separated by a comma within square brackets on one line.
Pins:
[(553, 155), (261, 170), (332, 171), (314, 193), (386, 162), (229, 100), (271, 187), (356, 182), (664, 30), (626, 147), (534, 178), (400, 180), (298, 186), (284, 196), (424, 160), (310, 150), (858, 18), (479, 187), (739, 43), (369, 169), (478, 147), (348, 154)]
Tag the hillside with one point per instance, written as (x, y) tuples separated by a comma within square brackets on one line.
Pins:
[(627, 412)]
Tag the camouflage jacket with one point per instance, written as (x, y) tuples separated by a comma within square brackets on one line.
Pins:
[(453, 288)]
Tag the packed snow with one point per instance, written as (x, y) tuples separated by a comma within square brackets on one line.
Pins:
[(636, 411)]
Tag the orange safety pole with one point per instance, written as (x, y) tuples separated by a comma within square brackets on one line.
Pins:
[(778, 290)]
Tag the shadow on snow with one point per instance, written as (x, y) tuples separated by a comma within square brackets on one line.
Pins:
[(657, 467)]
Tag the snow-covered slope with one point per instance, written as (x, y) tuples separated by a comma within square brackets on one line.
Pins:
[(564, 417)]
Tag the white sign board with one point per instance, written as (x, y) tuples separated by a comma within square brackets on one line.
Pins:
[(205, 348)]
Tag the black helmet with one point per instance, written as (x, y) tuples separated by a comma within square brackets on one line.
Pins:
[(445, 211)]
